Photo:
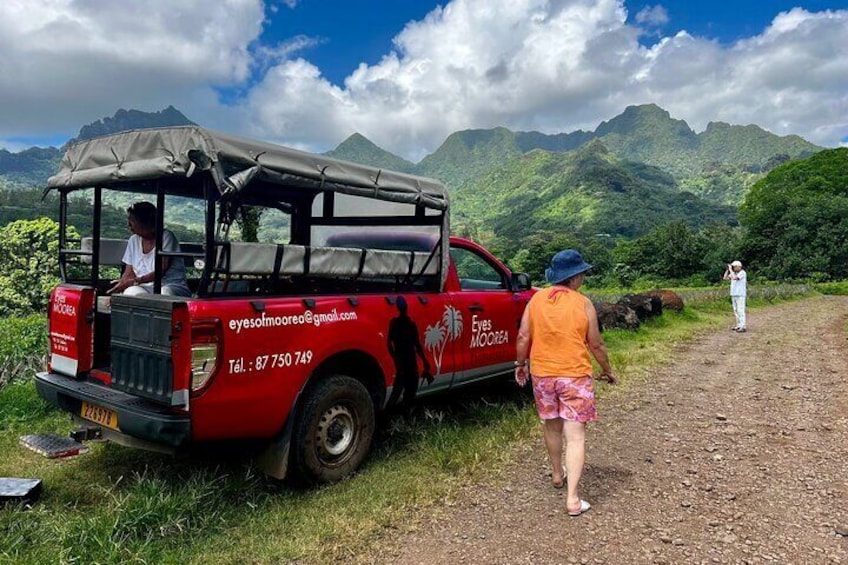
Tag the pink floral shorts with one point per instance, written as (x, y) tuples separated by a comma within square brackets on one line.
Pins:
[(569, 398)]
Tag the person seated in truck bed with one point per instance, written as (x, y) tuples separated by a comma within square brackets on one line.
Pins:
[(140, 257)]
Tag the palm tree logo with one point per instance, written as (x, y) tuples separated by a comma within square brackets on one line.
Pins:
[(439, 334)]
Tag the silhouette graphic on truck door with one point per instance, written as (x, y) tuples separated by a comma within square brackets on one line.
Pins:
[(404, 347)]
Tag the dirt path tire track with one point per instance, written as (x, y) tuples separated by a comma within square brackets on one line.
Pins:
[(735, 453)]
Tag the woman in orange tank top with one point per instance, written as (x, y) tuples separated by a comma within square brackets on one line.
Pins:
[(558, 331)]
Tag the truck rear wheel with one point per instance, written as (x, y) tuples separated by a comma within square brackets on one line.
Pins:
[(333, 430)]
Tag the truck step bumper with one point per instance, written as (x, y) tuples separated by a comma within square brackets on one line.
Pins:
[(134, 417)]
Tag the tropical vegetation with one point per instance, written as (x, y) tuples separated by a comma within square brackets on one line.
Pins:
[(797, 219)]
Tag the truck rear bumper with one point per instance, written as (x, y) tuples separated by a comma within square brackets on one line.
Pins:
[(137, 417)]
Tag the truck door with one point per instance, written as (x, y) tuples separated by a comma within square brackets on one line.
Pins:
[(435, 323), (488, 313)]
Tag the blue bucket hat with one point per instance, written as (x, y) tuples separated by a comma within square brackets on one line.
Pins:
[(565, 265)]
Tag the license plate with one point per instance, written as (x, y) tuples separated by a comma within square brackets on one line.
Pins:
[(102, 416)]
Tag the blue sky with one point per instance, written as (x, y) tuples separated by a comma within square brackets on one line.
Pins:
[(309, 73), (359, 31), (362, 30)]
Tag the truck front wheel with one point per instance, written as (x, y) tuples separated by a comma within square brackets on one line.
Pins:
[(333, 430)]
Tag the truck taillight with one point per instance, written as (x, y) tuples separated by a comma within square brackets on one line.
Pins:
[(205, 353)]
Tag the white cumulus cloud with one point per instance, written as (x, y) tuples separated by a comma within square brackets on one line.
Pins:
[(547, 65), (556, 65), (652, 15), (67, 62)]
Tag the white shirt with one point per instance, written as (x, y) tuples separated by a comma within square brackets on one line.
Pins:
[(738, 283), (144, 263)]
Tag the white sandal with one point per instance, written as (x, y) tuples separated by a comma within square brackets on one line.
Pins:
[(584, 506)]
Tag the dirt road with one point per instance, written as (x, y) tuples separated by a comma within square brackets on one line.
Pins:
[(736, 453)]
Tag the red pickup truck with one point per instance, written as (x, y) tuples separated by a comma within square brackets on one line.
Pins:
[(285, 338)]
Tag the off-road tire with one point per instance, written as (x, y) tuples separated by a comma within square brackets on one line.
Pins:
[(333, 430)]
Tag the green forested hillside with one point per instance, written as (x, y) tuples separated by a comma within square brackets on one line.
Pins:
[(719, 164), (648, 134), (796, 219), (469, 154), (30, 167), (721, 184), (28, 204), (559, 142), (749, 146), (587, 192)]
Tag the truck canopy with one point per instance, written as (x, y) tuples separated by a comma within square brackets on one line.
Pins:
[(148, 154), (324, 193)]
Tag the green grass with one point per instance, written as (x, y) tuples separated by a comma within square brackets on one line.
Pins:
[(701, 295), (838, 288), (22, 343), (116, 504)]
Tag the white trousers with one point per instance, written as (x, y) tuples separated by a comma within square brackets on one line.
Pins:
[(739, 310), (147, 288)]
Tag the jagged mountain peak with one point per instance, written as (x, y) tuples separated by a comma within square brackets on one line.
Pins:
[(33, 166), (645, 118), (132, 119), (360, 149), (358, 141)]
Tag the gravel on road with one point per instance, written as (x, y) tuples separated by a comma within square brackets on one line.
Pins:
[(734, 453)]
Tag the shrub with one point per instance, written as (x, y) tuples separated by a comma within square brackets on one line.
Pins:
[(837, 288), (23, 345)]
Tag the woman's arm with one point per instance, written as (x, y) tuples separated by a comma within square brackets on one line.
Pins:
[(597, 345), (127, 280), (522, 349)]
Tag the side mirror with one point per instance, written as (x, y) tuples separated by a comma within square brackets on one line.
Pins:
[(521, 281)]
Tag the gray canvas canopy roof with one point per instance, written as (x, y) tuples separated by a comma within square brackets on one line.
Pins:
[(233, 161)]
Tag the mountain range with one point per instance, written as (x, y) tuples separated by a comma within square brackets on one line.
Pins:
[(645, 134), (32, 167), (637, 170)]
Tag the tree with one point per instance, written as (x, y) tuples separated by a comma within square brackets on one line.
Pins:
[(796, 219), (537, 250), (722, 244), (248, 221), (29, 264), (670, 251)]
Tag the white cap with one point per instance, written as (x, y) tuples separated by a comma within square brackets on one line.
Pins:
[(736, 264)]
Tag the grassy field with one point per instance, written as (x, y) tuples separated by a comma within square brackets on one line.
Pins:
[(117, 505), (837, 288)]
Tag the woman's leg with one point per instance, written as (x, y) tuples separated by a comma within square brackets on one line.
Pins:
[(553, 442), (175, 290), (575, 455), (136, 291)]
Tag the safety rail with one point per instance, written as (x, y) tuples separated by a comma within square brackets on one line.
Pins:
[(267, 259)]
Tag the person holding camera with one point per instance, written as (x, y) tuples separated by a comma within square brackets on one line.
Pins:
[(738, 292)]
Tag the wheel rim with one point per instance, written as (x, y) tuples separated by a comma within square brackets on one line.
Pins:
[(336, 434)]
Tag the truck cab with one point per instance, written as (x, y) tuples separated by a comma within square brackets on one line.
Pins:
[(299, 267)]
